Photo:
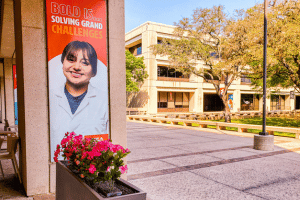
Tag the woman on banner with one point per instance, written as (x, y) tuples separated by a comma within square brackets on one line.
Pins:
[(77, 106)]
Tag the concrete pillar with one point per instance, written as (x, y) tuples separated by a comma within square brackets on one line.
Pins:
[(32, 95), (293, 103), (152, 102), (200, 101), (192, 102), (287, 102), (260, 103), (268, 102), (9, 92), (2, 93), (117, 73), (149, 37), (236, 100), (37, 172), (196, 101)]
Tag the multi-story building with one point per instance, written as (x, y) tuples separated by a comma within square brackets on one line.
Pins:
[(167, 90)]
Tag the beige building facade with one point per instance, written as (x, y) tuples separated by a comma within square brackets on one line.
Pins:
[(167, 90)]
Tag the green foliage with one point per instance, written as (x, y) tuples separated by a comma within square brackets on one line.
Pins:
[(135, 72), (283, 63), (271, 121)]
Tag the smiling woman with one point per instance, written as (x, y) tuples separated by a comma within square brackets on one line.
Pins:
[(79, 66)]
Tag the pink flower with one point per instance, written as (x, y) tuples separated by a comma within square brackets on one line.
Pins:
[(81, 175), (68, 155), (123, 169), (77, 162), (92, 168)]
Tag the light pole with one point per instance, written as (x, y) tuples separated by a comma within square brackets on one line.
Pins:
[(264, 141), (264, 132)]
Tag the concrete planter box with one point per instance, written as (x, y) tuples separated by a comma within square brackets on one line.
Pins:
[(70, 187)]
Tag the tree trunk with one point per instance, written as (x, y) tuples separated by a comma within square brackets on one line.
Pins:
[(227, 113), (227, 109)]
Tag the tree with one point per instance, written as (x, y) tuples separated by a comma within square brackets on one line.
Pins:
[(283, 64), (135, 72), (209, 37)]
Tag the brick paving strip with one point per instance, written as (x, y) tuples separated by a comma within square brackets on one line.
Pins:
[(203, 165), (187, 154)]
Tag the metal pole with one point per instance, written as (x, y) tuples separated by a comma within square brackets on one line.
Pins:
[(265, 72)]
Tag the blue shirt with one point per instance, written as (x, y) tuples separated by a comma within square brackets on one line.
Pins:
[(74, 102)]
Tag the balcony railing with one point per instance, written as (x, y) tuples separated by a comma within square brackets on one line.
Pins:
[(173, 79)]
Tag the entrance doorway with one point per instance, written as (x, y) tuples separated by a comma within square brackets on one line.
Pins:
[(297, 103), (212, 102)]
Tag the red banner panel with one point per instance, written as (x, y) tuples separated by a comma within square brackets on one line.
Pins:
[(77, 68)]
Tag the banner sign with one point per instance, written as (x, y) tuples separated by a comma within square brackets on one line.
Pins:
[(222, 90), (15, 93), (230, 101), (77, 68)]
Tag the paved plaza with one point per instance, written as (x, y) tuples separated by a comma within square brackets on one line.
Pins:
[(176, 162), (188, 163)]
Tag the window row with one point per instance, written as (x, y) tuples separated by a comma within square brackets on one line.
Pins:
[(173, 100), (163, 71)]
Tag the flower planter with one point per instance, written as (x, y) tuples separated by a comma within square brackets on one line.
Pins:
[(71, 187)]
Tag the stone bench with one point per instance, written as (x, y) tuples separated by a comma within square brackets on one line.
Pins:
[(219, 125)]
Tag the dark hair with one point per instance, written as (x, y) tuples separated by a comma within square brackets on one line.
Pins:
[(75, 46)]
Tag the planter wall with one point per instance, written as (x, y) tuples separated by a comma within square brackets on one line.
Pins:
[(70, 187)]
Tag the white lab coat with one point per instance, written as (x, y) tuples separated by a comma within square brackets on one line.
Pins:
[(90, 118)]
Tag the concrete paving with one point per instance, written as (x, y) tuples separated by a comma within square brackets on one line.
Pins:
[(177, 162)]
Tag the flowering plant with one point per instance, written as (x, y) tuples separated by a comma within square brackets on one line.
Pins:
[(94, 160)]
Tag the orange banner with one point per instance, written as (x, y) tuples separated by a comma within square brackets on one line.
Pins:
[(99, 137), (77, 69), (76, 20)]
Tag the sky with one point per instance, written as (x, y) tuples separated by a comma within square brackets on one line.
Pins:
[(167, 12)]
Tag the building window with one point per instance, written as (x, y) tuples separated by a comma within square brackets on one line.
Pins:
[(173, 101), (249, 102), (245, 79), (169, 72), (160, 42), (136, 50), (277, 102), (139, 50)]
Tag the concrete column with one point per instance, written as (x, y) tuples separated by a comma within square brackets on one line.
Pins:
[(32, 95), (268, 102), (149, 37), (200, 101), (260, 104), (292, 103), (236, 100), (152, 102), (192, 102), (287, 102), (2, 93), (195, 101), (9, 91), (117, 74)]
